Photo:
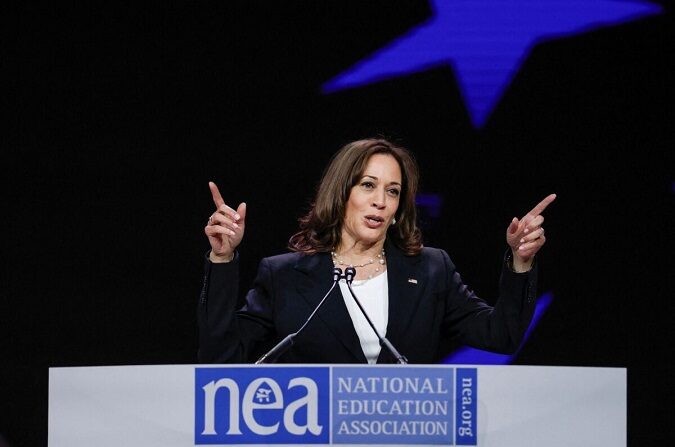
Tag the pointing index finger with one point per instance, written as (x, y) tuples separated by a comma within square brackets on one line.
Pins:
[(541, 206), (217, 198)]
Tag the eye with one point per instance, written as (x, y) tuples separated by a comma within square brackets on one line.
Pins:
[(368, 184), (394, 192)]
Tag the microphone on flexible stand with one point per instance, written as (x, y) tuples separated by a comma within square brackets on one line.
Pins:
[(350, 273), (273, 354)]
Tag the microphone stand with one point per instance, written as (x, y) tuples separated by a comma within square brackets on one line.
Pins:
[(273, 354), (350, 272)]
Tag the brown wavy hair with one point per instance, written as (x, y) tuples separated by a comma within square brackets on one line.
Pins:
[(321, 228)]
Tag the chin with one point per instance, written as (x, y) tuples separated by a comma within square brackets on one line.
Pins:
[(373, 239)]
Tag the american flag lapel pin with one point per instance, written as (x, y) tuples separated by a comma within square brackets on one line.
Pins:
[(412, 280)]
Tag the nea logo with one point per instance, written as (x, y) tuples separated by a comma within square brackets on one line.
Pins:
[(260, 405)]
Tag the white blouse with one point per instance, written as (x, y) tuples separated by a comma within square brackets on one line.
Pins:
[(373, 294)]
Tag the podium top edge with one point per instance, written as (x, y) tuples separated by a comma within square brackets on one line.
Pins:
[(331, 365)]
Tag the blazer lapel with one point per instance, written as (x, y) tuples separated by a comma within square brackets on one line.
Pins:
[(314, 280), (406, 284)]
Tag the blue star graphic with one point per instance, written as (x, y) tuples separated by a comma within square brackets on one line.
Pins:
[(485, 42)]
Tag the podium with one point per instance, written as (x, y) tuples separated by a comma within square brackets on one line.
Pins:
[(193, 405)]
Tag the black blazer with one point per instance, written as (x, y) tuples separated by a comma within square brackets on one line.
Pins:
[(427, 303)]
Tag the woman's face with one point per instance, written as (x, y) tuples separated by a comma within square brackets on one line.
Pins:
[(372, 202)]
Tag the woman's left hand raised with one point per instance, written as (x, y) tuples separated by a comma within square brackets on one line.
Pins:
[(526, 236)]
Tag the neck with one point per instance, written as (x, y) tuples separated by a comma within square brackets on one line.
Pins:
[(368, 262), (359, 250)]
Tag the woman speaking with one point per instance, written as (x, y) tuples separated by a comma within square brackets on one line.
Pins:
[(363, 216)]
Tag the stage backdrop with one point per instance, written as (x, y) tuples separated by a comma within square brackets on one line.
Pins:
[(120, 113)]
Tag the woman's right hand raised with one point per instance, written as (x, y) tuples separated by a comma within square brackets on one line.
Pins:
[(225, 228)]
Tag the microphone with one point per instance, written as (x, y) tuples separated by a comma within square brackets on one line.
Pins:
[(350, 273), (273, 354)]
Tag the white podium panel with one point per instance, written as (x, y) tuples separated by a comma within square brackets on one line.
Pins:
[(193, 405)]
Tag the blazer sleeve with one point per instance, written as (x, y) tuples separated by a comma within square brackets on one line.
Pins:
[(475, 323), (228, 335)]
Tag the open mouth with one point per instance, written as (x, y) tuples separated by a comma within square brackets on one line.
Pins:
[(374, 220)]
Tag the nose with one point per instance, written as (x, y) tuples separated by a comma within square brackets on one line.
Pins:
[(380, 200)]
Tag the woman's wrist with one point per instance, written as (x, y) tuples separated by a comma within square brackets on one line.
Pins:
[(519, 265), (221, 259)]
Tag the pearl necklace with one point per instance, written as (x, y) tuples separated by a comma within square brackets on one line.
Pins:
[(380, 260)]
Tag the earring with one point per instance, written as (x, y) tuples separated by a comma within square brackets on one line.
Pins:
[(393, 222)]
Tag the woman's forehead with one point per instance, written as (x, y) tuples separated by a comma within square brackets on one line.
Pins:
[(383, 167)]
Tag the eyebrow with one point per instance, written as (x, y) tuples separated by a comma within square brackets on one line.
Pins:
[(375, 178)]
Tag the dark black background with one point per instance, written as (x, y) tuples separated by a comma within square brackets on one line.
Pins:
[(120, 113)]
